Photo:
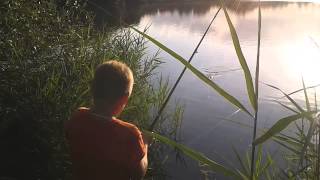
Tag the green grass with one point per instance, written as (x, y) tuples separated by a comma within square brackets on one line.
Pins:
[(47, 58)]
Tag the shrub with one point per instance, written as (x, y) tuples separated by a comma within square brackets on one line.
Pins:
[(48, 52)]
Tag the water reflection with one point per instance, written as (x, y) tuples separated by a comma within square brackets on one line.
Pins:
[(290, 34), (289, 49), (130, 11)]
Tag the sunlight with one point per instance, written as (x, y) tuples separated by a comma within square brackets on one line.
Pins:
[(313, 1), (303, 58)]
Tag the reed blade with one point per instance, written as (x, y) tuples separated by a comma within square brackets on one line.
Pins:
[(256, 95), (307, 142), (287, 107), (197, 73), (279, 126), (258, 55), (302, 89), (242, 60), (315, 100), (306, 96), (195, 155), (288, 97), (245, 170)]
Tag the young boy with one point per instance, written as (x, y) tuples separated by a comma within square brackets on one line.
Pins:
[(101, 146)]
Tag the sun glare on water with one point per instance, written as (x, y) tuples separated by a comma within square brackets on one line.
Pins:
[(313, 1), (303, 59)]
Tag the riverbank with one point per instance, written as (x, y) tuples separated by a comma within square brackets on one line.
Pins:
[(48, 55)]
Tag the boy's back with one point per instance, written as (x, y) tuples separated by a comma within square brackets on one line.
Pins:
[(103, 148)]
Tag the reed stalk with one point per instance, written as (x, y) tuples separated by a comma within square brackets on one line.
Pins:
[(257, 94)]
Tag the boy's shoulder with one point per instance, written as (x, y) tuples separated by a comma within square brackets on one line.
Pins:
[(76, 117), (80, 112), (131, 128)]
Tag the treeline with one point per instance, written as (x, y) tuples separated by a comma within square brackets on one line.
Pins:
[(124, 12)]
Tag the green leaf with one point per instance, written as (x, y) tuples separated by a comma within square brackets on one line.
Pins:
[(258, 55), (79, 100), (315, 100), (279, 126), (288, 97), (258, 161), (287, 107), (245, 170), (300, 132), (299, 90), (291, 100), (295, 140), (263, 170), (195, 155), (242, 60), (306, 96), (196, 72), (285, 144), (243, 176), (262, 167), (307, 142)]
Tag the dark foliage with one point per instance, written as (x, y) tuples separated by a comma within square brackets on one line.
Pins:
[(48, 52)]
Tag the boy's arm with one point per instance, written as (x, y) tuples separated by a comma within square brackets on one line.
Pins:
[(141, 169)]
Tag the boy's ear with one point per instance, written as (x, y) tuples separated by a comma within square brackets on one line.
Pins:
[(119, 106), (124, 100)]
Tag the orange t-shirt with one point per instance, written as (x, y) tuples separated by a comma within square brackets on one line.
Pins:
[(103, 149)]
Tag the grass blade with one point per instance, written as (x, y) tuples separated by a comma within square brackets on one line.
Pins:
[(288, 97), (258, 162), (195, 155), (297, 141), (261, 168), (307, 142), (258, 55), (300, 132), (299, 90), (279, 126), (287, 107), (315, 100), (245, 170), (196, 72), (257, 95), (242, 60), (285, 145), (306, 96)]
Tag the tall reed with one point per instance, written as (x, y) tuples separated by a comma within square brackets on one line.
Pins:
[(253, 169), (256, 93)]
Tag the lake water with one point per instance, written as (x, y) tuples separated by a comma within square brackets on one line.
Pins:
[(289, 49)]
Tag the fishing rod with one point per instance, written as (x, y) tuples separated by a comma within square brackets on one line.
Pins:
[(181, 74), (154, 122)]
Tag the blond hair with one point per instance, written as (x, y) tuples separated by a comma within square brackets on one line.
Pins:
[(112, 80)]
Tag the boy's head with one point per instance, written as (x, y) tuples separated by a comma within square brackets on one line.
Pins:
[(111, 86)]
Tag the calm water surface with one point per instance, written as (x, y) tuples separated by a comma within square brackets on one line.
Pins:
[(289, 48)]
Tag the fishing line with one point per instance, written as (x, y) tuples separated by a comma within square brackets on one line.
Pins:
[(154, 122), (181, 74)]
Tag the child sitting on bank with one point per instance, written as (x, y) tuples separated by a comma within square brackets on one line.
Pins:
[(102, 146)]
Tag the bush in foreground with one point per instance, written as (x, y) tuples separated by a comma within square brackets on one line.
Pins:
[(48, 52)]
